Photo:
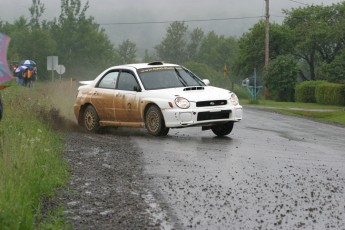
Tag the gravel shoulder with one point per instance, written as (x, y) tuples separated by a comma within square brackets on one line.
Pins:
[(107, 188)]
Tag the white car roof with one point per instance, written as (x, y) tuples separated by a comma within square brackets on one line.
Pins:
[(145, 65), (128, 66)]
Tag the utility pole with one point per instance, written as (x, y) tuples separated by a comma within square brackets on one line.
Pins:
[(267, 34), (267, 43)]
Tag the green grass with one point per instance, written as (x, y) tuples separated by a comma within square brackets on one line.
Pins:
[(31, 163), (336, 115)]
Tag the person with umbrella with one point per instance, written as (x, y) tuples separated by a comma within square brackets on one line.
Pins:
[(14, 66), (20, 74), (30, 74)]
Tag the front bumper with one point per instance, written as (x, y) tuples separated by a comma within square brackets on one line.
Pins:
[(175, 118)]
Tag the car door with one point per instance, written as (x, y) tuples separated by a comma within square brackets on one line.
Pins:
[(102, 96), (127, 99)]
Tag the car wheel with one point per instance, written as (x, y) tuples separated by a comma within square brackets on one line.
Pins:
[(154, 122), (91, 119), (223, 129)]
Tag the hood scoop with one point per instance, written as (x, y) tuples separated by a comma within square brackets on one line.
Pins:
[(194, 88)]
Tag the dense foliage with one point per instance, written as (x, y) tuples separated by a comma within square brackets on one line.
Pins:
[(282, 78), (81, 45), (312, 35), (251, 48)]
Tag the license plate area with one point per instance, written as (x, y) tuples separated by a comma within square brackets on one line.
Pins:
[(204, 116)]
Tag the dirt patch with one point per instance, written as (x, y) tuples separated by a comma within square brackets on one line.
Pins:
[(55, 120), (107, 189)]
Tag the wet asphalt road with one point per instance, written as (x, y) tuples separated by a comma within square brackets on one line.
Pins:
[(271, 172)]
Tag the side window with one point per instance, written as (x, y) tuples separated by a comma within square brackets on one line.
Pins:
[(127, 82), (109, 80)]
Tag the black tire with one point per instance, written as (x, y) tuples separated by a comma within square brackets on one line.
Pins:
[(154, 122), (223, 129), (91, 119)]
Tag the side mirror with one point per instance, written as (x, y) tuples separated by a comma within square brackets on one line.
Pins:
[(206, 81), (136, 89)]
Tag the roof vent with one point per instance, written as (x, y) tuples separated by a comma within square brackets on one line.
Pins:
[(156, 63), (194, 88)]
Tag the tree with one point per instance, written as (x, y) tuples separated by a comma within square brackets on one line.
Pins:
[(28, 42), (252, 46), (282, 78), (193, 47), (83, 47), (18, 31), (334, 71), (317, 34), (205, 71), (149, 57), (36, 10), (173, 47), (217, 50), (127, 52)]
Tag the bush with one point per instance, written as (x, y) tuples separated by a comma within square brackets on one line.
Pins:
[(282, 77), (334, 71), (241, 92), (305, 91), (330, 93)]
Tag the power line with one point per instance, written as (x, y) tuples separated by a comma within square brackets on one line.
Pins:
[(192, 20), (298, 2)]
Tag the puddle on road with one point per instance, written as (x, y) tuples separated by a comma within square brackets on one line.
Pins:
[(156, 212)]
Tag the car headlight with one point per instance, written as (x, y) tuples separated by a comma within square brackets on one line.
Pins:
[(234, 99), (182, 103)]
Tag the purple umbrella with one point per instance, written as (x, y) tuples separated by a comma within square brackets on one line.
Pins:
[(28, 62), (21, 68), (5, 73)]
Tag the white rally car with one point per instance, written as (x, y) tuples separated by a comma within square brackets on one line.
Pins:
[(157, 96)]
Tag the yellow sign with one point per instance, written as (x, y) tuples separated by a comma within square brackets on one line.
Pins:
[(225, 70)]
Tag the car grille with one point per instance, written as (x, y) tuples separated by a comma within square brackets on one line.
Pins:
[(204, 116), (211, 103)]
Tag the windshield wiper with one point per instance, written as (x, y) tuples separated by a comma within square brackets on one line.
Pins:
[(180, 78)]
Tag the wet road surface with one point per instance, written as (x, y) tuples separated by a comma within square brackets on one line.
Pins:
[(271, 172)]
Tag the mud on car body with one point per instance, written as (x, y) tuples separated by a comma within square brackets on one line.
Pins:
[(157, 96)]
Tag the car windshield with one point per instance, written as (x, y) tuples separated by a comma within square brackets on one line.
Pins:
[(168, 77)]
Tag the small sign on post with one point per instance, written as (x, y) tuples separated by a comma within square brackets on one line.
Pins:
[(52, 62), (60, 69)]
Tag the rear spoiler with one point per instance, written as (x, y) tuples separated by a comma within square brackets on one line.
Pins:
[(85, 82)]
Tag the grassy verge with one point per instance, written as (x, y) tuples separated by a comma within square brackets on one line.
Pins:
[(31, 164), (328, 113)]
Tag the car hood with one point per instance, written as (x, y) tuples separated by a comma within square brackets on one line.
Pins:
[(204, 93)]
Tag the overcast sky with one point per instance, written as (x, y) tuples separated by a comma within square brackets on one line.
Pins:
[(240, 15)]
